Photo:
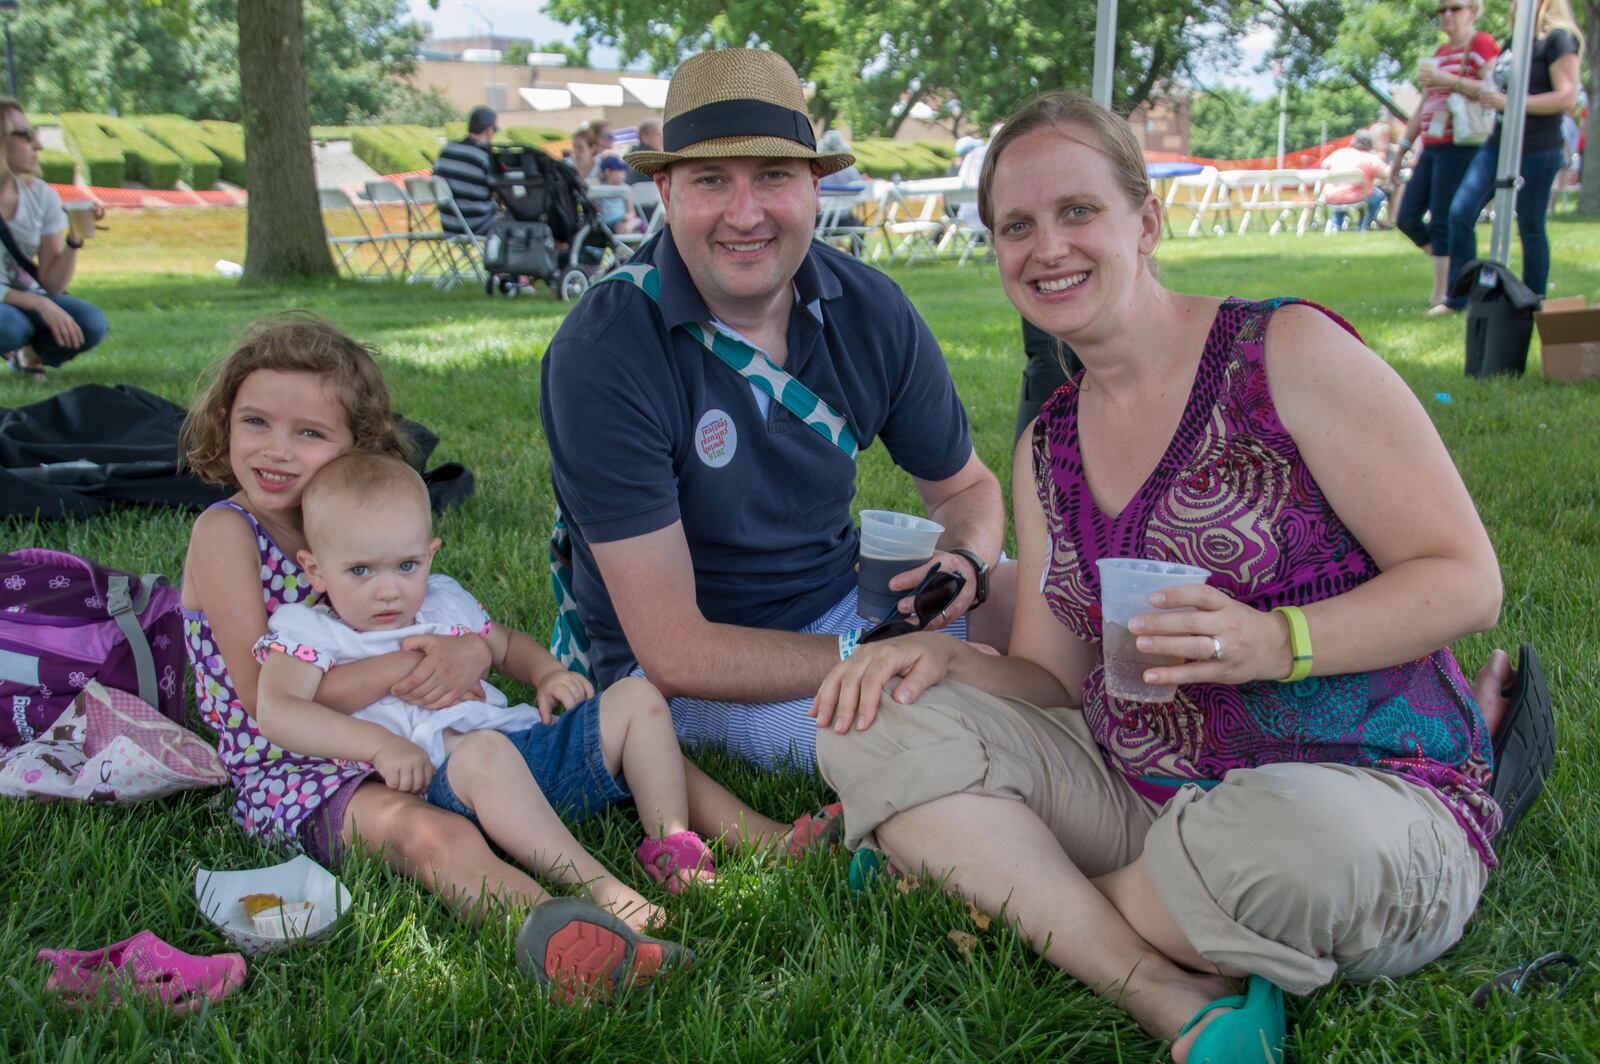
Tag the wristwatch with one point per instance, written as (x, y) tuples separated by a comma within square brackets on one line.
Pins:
[(980, 585), (73, 242)]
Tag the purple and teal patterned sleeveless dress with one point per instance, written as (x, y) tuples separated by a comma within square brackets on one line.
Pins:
[(1232, 495), (274, 791)]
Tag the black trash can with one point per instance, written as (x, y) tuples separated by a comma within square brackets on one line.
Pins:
[(1499, 318)]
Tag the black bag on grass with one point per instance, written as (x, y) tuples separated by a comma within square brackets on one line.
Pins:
[(87, 449), (524, 248)]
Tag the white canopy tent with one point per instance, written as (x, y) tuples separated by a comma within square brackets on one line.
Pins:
[(546, 99), (592, 94), (652, 92)]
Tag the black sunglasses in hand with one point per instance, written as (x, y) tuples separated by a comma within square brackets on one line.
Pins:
[(930, 598)]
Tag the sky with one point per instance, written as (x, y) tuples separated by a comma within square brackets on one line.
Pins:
[(526, 18)]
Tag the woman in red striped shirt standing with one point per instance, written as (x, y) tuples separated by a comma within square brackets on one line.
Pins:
[(1466, 54)]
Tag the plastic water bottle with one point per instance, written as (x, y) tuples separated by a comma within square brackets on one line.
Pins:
[(231, 270)]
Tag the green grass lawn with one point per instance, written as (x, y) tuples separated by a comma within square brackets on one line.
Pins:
[(791, 966)]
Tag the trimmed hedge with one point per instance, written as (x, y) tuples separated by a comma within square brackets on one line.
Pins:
[(99, 155), (57, 167), (421, 139), (390, 152), (148, 160), (878, 157), (535, 136), (225, 140), (201, 167), (531, 136)]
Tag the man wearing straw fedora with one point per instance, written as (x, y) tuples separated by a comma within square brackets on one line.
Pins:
[(704, 406)]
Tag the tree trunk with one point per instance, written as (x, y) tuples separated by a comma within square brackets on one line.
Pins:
[(1589, 196), (284, 237)]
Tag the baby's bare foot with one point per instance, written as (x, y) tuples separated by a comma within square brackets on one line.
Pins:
[(628, 904)]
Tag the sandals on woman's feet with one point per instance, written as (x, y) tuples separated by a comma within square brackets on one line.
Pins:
[(578, 948), (1525, 746), (1252, 1032), (681, 852), (816, 831), (20, 362)]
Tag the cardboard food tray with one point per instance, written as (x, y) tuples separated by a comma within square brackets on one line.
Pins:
[(301, 879)]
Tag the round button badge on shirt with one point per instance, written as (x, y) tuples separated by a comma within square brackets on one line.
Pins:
[(716, 438)]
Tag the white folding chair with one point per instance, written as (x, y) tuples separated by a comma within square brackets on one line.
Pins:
[(1337, 181), (466, 243), (1276, 193), (1236, 190), (1194, 192), (358, 252), (401, 221), (972, 237), (1296, 193), (647, 201), (837, 222), (426, 209), (908, 234)]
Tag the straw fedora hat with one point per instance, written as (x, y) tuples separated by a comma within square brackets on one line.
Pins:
[(736, 102)]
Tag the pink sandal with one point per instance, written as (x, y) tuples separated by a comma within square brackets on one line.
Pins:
[(680, 859), (146, 966), (816, 831)]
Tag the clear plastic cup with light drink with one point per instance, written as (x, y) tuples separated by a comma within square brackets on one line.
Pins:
[(80, 218), (891, 543), (1126, 585)]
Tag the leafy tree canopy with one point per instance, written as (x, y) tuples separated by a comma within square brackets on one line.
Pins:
[(1227, 123), (872, 59), (577, 53), (181, 56)]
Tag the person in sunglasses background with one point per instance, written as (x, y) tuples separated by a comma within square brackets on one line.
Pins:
[(40, 325), (1465, 55)]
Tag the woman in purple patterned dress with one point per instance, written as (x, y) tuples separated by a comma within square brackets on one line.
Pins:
[(1254, 826)]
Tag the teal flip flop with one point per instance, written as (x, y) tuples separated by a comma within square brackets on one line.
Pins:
[(1253, 1032), (864, 868)]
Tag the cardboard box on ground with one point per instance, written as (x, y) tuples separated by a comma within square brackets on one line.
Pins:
[(1569, 339)]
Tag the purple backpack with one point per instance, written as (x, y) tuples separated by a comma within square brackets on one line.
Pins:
[(64, 621)]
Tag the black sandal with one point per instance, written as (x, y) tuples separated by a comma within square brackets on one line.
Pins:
[(1525, 748)]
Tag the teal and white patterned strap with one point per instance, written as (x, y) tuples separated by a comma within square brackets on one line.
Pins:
[(754, 367)]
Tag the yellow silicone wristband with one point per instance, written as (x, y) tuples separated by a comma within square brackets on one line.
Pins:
[(1299, 642)]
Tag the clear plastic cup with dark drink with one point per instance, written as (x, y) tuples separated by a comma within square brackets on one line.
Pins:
[(891, 543), (1126, 585)]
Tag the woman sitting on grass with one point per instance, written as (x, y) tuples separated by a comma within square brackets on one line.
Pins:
[(1313, 800), (40, 325)]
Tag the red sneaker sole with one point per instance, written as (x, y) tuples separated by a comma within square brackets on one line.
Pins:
[(581, 957)]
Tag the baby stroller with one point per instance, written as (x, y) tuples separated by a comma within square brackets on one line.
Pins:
[(551, 230)]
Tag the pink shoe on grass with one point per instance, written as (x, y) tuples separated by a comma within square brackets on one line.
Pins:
[(143, 966), (678, 861)]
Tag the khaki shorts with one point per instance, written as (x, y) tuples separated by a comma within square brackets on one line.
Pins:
[(1294, 872)]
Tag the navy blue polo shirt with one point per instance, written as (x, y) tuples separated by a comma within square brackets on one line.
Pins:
[(647, 427)]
